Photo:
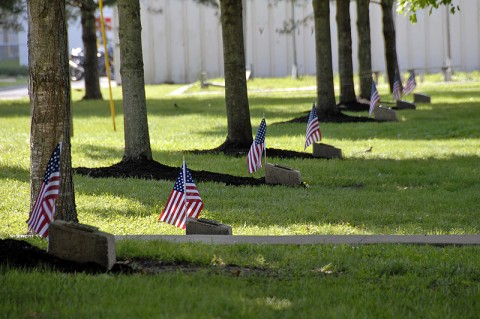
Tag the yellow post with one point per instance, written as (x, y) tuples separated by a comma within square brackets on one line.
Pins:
[(107, 63)]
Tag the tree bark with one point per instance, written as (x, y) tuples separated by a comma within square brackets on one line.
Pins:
[(345, 66), (364, 48), (50, 99), (326, 106), (236, 97), (137, 139), (89, 38), (390, 41)]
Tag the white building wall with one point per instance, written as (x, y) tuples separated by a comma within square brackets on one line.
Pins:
[(74, 34), (181, 39)]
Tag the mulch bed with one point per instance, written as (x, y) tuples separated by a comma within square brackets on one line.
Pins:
[(150, 169), (19, 254), (338, 118)]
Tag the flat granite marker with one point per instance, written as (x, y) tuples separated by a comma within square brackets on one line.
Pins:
[(421, 98), (81, 243), (385, 114), (202, 226), (322, 150), (404, 105), (277, 174)]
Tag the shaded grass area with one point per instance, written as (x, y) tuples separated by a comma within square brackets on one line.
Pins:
[(415, 176), (381, 281)]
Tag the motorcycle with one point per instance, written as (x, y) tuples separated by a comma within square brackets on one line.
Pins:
[(77, 61)]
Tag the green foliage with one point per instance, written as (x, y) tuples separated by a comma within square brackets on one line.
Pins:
[(412, 6), (12, 67), (10, 11)]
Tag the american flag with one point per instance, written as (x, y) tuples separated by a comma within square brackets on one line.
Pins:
[(184, 200), (374, 98), (43, 210), (254, 157), (313, 129), (410, 84), (397, 88)]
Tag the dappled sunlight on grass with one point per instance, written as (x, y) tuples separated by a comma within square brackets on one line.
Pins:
[(410, 149), (419, 175), (14, 206), (299, 229)]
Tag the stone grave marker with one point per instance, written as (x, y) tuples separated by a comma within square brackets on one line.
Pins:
[(202, 226), (404, 105), (421, 98), (322, 150), (81, 243), (277, 174), (386, 114)]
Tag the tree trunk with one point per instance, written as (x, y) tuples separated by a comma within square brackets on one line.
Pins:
[(390, 42), (326, 106), (89, 38), (137, 139), (236, 97), (50, 99), (345, 66), (364, 48)]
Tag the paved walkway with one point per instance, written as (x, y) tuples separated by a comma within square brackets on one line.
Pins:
[(21, 91), (314, 239)]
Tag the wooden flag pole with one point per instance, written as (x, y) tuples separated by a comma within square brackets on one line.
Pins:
[(265, 144), (107, 63), (184, 190)]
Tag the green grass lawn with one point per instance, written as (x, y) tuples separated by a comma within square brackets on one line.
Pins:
[(8, 81), (312, 281), (421, 177)]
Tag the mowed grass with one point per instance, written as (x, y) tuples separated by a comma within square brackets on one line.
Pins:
[(421, 177), (312, 281)]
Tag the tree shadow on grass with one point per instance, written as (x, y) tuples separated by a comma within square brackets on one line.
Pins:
[(19, 254), (150, 169), (337, 118), (153, 170)]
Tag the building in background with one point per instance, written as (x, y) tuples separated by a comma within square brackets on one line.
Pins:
[(8, 44), (182, 39), (13, 44)]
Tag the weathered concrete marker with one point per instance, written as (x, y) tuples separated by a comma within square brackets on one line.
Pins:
[(404, 105), (421, 98), (322, 150), (81, 243), (277, 174), (386, 114), (202, 226)]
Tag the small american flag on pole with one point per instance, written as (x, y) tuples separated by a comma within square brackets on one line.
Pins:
[(254, 157), (410, 84), (397, 88), (313, 129), (374, 98), (184, 200), (43, 210)]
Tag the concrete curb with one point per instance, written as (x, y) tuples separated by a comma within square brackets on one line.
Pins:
[(313, 239)]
